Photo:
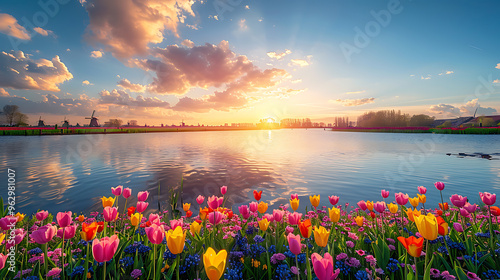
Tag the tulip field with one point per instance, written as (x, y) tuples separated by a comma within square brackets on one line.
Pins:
[(400, 236)]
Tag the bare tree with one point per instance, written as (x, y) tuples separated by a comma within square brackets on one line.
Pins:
[(13, 117)]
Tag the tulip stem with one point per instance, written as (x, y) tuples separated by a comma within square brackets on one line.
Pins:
[(87, 260), (297, 265), (62, 253), (45, 261), (416, 268), (104, 271), (491, 234), (426, 251), (154, 262), (178, 265)]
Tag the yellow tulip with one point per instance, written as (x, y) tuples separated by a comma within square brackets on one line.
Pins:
[(2, 237), (393, 208), (135, 219), (194, 228), (262, 207), (294, 203), (422, 198), (359, 220), (414, 201), (314, 200), (427, 226), (369, 205), (321, 236), (214, 263), (334, 214), (20, 217), (263, 224), (412, 214), (186, 206), (175, 240), (107, 201)]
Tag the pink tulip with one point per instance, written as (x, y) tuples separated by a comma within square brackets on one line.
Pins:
[(127, 192), (3, 259), (215, 217), (379, 206), (439, 185), (244, 211), (464, 213), (154, 219), (69, 232), (333, 200), (323, 267), (294, 243), (44, 234), (176, 223), (110, 213), (422, 189), (141, 206), (200, 199), (471, 208), (8, 222), (142, 196), (488, 198), (213, 202), (17, 235), (458, 200), (64, 219), (278, 215), (362, 205), (42, 215), (294, 218), (294, 196), (155, 234), (401, 198), (269, 217), (458, 227), (254, 206), (104, 249), (384, 193), (223, 190), (117, 191)]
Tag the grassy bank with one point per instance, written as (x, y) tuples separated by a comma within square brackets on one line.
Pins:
[(471, 130)]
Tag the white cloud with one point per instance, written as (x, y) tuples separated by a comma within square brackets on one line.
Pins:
[(247, 7), (188, 43), (126, 84), (446, 73), (296, 81), (96, 54), (498, 66), (355, 92), (299, 62), (3, 92), (9, 26), (425, 78), (496, 81), (87, 83), (467, 110), (68, 50), (354, 102), (280, 55)]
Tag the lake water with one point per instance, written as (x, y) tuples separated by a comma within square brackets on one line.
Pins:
[(61, 173)]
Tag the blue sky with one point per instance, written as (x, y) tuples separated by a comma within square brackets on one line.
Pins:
[(438, 58)]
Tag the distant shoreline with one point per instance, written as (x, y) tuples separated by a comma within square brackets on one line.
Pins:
[(452, 130)]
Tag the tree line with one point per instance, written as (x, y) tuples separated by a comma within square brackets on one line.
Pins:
[(392, 118), (12, 116)]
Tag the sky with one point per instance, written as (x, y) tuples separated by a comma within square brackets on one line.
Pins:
[(227, 61)]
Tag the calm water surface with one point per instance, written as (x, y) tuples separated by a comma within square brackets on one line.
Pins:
[(61, 173)]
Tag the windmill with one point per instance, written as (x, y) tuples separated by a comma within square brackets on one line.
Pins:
[(41, 122), (93, 120), (65, 123)]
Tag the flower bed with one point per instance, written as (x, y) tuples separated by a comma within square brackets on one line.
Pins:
[(375, 240)]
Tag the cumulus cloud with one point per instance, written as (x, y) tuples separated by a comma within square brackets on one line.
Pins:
[(296, 81), (355, 92), (96, 54), (355, 102), (9, 26), (126, 84), (3, 92), (425, 78), (188, 43), (468, 109), (43, 32), (127, 27), (51, 104), (87, 83), (247, 7), (18, 71), (498, 66), (280, 55), (497, 81), (121, 97)]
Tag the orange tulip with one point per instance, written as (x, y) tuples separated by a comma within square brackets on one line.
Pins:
[(442, 226), (314, 200), (369, 205), (359, 220), (81, 218), (305, 228), (444, 207), (262, 207), (413, 245), (412, 214), (422, 198), (414, 201), (204, 213), (89, 231)]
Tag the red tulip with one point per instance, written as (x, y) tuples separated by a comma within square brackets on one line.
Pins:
[(257, 195), (413, 245), (130, 211)]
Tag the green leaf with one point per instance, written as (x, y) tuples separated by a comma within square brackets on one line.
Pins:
[(460, 273), (410, 275), (427, 274)]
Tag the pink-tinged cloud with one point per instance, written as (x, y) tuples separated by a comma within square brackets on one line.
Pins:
[(498, 66), (355, 102), (127, 27), (43, 32), (121, 97), (96, 54), (9, 26), (279, 55), (468, 109), (3, 92), (126, 84), (51, 104), (188, 43), (18, 71)]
